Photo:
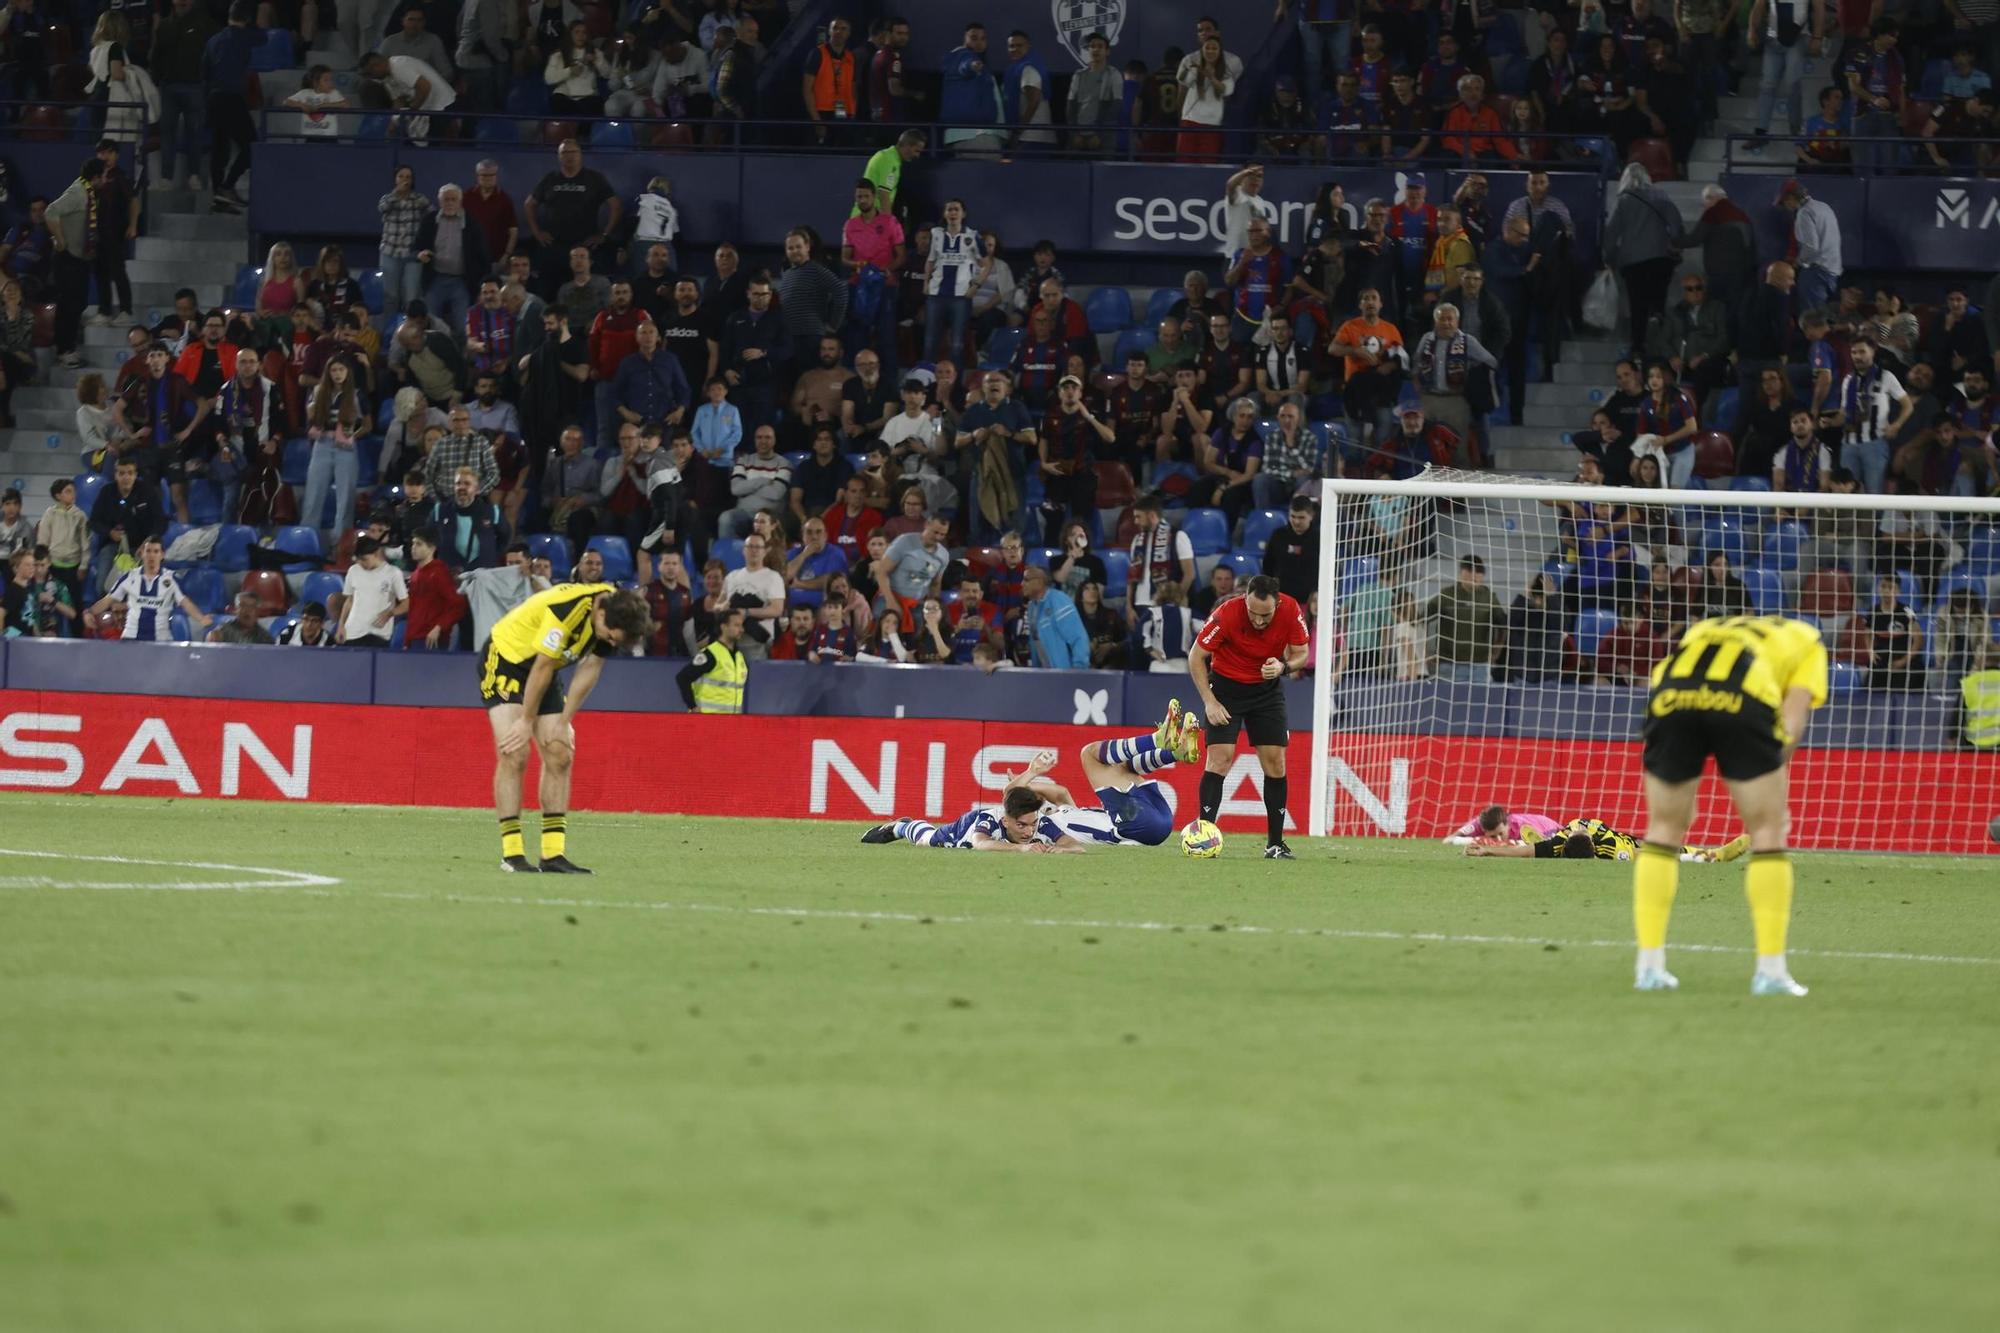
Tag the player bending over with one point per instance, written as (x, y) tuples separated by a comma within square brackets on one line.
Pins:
[(519, 683), (1741, 688), (1497, 824), (1585, 839), (1038, 813)]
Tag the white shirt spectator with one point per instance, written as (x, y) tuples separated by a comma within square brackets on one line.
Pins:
[(1870, 401), (369, 593), (1817, 230), (312, 120), (1202, 103), (1141, 581), (657, 224), (1032, 78), (689, 73), (405, 72)]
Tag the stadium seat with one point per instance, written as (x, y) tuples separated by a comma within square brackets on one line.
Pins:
[(1115, 488), (274, 595), (371, 291), (1258, 526), (1246, 565), (495, 132), (1117, 570), (1109, 310), (1842, 677), (1766, 589), (1725, 404), (174, 531), (319, 586), (1931, 87), (1782, 546), (180, 627), (248, 279), (617, 553), (1827, 594), (1133, 342), (278, 627), (1207, 531), (204, 499), (232, 548), (982, 560), (554, 548), (1043, 557), (1982, 551), (303, 542), (528, 97), (1749, 483), (1000, 348), (396, 635), (674, 135), (612, 134), (44, 124), (343, 550), (368, 459), (1591, 626), (1160, 304), (1953, 580), (88, 484), (1357, 573), (796, 458), (729, 550), (1714, 455), (555, 131), (203, 587), (1656, 156), (1504, 37)]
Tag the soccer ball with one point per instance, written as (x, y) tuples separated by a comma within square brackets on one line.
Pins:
[(1201, 840)]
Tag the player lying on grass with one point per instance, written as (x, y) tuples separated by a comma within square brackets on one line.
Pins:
[(1584, 839), (1038, 814), (1497, 824)]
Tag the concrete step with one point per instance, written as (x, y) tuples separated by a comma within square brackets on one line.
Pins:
[(187, 225), (44, 420), (1551, 417), (1593, 374), (1605, 352), (206, 250), (198, 274), (1580, 396), (21, 441)]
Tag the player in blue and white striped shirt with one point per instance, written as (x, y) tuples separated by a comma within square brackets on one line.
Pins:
[(149, 595), (1039, 814)]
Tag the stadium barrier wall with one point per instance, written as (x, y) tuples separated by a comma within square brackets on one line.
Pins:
[(1935, 223), (863, 768)]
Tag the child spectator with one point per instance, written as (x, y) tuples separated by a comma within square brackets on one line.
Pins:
[(718, 426), (370, 599), (309, 631), (834, 640), (436, 606), (56, 614), (15, 534), (65, 530)]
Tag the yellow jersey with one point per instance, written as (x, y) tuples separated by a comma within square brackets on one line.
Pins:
[(1721, 663), (556, 623), (1606, 843)]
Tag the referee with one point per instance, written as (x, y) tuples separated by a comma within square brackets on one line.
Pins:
[(1239, 663)]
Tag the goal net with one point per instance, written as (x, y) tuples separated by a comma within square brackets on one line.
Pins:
[(1483, 641)]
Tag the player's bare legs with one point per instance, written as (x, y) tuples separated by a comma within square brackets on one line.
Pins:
[(555, 740), (1765, 805), (510, 767)]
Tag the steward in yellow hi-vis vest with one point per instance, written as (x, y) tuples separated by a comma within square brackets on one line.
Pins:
[(713, 682)]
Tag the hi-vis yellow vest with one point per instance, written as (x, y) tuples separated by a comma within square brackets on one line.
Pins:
[(1982, 709), (721, 690)]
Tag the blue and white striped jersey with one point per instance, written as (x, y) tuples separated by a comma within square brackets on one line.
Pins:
[(149, 604), (1083, 823)]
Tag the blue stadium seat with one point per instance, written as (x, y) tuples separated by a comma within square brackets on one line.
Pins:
[(398, 634), (1766, 589), (796, 457), (1782, 546), (1725, 406), (1842, 677), (203, 587), (528, 97), (1591, 626), (729, 550), (320, 586), (857, 461), (1207, 531), (493, 132), (1931, 89), (281, 624), (1725, 535), (1160, 303), (617, 553), (204, 499), (249, 278), (232, 548), (1749, 483), (385, 411), (1117, 572), (1357, 573), (371, 291), (612, 134), (1048, 557), (1957, 578), (1109, 310), (1258, 526), (1504, 38), (1132, 342), (554, 548), (180, 626), (303, 541), (1982, 551), (88, 484), (1906, 586), (1000, 348), (168, 538), (368, 459), (1559, 570), (1245, 564)]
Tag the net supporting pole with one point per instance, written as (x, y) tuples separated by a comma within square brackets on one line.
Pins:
[(1327, 636)]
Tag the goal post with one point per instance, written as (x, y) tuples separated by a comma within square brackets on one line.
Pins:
[(1485, 640)]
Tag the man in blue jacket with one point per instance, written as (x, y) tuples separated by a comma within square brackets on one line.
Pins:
[(969, 97), (225, 71), (1055, 631)]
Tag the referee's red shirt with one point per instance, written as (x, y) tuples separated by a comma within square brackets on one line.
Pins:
[(1238, 649)]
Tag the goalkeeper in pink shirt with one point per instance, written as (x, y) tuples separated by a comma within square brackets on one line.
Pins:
[(1497, 824)]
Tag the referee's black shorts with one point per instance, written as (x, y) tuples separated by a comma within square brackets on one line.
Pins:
[(1745, 744), (1258, 709)]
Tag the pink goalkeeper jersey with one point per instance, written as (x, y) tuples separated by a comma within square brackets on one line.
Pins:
[(1516, 824)]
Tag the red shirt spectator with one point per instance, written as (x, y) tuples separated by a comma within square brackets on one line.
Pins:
[(435, 602), (493, 213), (849, 522), (1626, 655), (614, 335), (1482, 124)]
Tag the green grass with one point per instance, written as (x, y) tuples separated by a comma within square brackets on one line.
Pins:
[(760, 1077)]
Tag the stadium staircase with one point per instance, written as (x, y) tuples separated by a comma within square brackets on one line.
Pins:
[(183, 245)]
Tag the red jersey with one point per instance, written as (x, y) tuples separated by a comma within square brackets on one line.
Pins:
[(614, 335), (1239, 650), (434, 601)]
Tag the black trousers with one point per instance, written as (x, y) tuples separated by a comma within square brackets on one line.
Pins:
[(114, 285), (230, 132), (72, 290)]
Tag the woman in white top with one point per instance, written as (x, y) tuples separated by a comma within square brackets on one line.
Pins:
[(958, 264), (315, 100), (1409, 641), (1206, 86), (572, 74), (100, 423), (994, 300), (131, 99)]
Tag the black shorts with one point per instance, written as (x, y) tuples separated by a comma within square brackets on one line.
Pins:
[(1258, 709), (1745, 744), (502, 681)]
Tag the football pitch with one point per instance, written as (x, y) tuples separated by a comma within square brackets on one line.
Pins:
[(289, 1068)]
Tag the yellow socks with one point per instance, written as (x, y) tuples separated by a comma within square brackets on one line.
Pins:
[(510, 836), (555, 830), (1655, 875), (1768, 885)]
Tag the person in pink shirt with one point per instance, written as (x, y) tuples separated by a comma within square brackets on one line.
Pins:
[(871, 247), (1497, 824)]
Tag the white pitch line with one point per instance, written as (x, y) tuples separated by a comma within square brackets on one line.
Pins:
[(270, 878)]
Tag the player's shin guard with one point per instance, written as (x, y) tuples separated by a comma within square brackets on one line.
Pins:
[(555, 834), (1141, 754), (1768, 884), (917, 831), (510, 837), (1656, 874), (1211, 795), (1275, 792)]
